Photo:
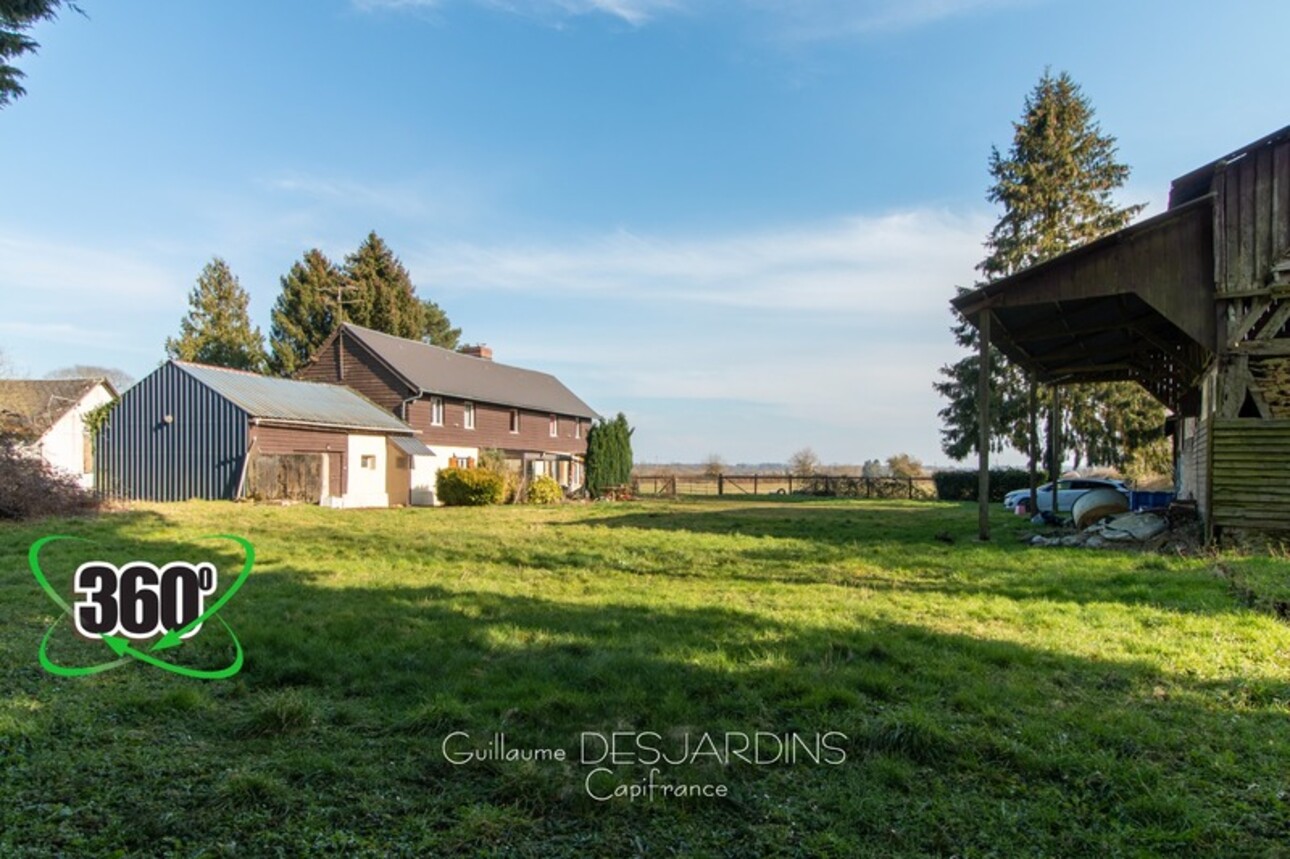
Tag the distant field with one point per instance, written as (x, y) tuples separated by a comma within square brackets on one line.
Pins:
[(995, 700)]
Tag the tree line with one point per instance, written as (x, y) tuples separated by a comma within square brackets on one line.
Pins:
[(370, 288)]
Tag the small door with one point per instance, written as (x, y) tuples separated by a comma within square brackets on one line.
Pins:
[(398, 476)]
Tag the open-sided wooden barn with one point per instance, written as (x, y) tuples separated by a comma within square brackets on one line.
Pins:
[(1194, 305), (194, 431)]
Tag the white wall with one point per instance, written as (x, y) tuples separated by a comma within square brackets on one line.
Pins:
[(366, 485), (63, 446), (426, 468)]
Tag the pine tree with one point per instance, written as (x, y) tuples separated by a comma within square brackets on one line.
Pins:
[(438, 329), (305, 313), (217, 328), (1056, 187), (381, 295)]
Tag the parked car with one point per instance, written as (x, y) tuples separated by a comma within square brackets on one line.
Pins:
[(1067, 491)]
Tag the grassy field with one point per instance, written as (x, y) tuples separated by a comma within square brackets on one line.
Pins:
[(996, 700)]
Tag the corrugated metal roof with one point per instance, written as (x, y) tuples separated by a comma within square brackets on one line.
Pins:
[(292, 401), (442, 371)]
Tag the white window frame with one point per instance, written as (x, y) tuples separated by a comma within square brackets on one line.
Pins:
[(554, 426), (577, 429), (515, 420), (468, 416), (436, 411)]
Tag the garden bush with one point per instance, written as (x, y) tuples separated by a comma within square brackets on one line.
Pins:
[(545, 490), (30, 489), (469, 487)]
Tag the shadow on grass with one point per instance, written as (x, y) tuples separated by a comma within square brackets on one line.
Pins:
[(330, 735)]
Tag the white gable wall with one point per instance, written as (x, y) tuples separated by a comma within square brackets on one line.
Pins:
[(64, 444)]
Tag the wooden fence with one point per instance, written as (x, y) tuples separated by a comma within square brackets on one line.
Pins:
[(785, 484)]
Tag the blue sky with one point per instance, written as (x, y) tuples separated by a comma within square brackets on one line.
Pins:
[(738, 221)]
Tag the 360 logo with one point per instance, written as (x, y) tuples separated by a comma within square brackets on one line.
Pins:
[(125, 605)]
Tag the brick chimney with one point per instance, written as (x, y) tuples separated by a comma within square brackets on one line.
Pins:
[(479, 350)]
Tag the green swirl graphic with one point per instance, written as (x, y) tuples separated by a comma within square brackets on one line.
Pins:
[(120, 646)]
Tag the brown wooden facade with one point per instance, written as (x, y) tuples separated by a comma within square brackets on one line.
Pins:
[(343, 361)]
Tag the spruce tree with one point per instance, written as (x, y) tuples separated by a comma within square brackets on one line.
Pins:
[(1056, 186), (217, 328), (305, 313), (438, 329), (381, 295)]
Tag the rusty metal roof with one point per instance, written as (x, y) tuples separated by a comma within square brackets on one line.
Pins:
[(442, 371), (294, 402)]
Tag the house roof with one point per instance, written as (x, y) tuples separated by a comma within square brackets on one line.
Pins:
[(433, 370), (294, 402), (32, 406)]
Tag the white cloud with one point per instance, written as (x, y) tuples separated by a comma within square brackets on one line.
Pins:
[(899, 263), (31, 267), (827, 334)]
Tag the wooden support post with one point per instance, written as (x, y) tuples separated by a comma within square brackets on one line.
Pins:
[(1055, 443), (983, 417), (1034, 445), (721, 484)]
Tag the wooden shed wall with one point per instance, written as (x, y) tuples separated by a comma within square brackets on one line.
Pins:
[(1252, 216), (1251, 473), (280, 439)]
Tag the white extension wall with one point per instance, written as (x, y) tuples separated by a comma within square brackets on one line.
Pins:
[(64, 445), (366, 483), (426, 468)]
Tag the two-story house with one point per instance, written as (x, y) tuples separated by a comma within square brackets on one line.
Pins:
[(460, 403)]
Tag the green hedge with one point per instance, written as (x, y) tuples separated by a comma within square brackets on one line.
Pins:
[(469, 487), (962, 485)]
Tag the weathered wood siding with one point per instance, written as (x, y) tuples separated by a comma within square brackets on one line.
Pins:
[(493, 428), (1252, 216), (1251, 473), (286, 440), (285, 476)]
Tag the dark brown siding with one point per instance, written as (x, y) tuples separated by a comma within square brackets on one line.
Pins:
[(493, 428), (362, 372), (275, 439)]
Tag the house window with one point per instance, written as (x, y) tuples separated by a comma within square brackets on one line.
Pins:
[(461, 462), (367, 460), (555, 426), (577, 429), (468, 416), (515, 420), (436, 411)]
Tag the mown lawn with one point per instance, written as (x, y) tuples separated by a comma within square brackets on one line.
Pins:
[(997, 700)]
